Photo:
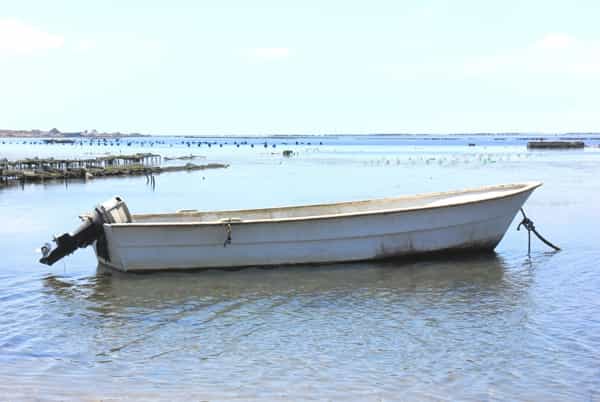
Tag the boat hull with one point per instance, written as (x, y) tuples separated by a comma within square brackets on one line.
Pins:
[(471, 226)]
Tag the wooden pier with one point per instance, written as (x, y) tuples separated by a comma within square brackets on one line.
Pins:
[(42, 169), (101, 162)]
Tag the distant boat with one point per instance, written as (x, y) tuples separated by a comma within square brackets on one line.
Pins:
[(459, 221), (555, 144)]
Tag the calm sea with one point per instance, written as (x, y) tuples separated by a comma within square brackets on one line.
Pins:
[(499, 327)]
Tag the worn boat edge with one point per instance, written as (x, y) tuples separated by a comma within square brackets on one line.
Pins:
[(520, 188)]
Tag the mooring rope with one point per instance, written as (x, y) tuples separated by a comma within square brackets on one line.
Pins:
[(529, 225), (228, 231)]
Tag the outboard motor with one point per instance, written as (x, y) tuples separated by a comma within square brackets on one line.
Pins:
[(112, 211)]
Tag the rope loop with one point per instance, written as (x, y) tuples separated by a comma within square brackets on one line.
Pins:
[(527, 224)]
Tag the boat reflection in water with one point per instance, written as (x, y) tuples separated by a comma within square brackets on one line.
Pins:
[(471, 274), (262, 329)]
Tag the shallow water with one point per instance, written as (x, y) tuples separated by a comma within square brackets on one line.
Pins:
[(487, 327)]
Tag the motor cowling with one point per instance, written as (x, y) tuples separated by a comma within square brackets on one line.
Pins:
[(112, 211), (88, 232)]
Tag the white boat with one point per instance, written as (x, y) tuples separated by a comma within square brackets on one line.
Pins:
[(457, 221)]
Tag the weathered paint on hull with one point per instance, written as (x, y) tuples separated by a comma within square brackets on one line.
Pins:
[(457, 228)]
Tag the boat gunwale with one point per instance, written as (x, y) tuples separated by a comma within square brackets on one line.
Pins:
[(521, 188)]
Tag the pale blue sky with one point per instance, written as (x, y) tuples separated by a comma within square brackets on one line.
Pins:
[(305, 67)]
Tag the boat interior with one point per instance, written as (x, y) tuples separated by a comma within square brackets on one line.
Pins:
[(432, 200)]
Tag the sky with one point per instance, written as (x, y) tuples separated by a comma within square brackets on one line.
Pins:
[(257, 67)]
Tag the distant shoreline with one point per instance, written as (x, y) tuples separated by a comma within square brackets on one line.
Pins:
[(97, 135), (57, 134)]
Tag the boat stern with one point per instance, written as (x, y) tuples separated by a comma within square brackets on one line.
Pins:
[(93, 231)]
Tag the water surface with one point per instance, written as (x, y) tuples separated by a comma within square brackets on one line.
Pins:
[(503, 326)]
